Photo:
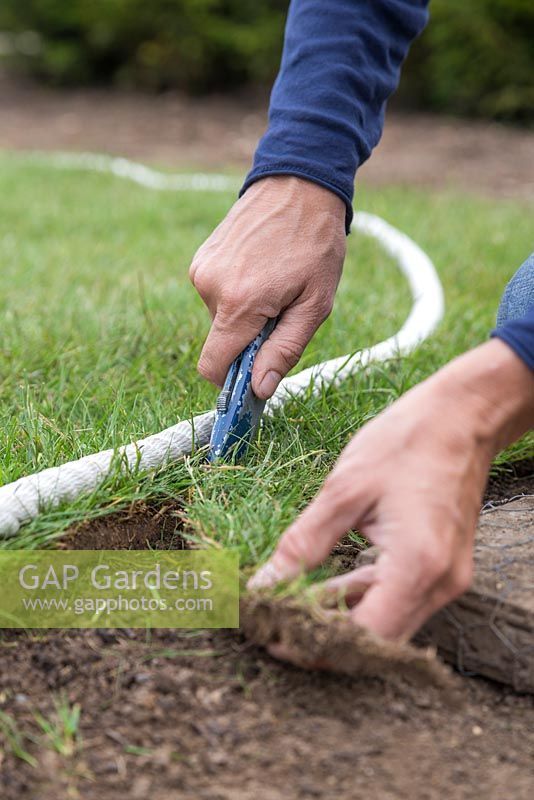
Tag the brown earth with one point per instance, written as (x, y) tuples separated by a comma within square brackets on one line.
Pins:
[(218, 132), (188, 715), (155, 526), (213, 717), (512, 480)]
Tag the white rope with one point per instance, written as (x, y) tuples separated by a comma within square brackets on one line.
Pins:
[(138, 173), (23, 500), (427, 311)]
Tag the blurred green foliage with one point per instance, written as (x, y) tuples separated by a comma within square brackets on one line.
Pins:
[(477, 56), (195, 45)]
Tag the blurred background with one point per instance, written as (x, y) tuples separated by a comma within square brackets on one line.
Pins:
[(186, 81), (476, 58)]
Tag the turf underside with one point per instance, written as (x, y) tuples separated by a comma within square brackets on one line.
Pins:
[(100, 332)]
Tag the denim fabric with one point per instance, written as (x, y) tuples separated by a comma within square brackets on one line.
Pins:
[(515, 319), (518, 298)]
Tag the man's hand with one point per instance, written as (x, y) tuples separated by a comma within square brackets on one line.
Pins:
[(279, 251), (412, 481)]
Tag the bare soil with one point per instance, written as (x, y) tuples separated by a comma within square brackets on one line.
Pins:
[(218, 132), (512, 480), (188, 715), (143, 525), (214, 717)]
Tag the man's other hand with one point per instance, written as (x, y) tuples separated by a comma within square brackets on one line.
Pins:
[(412, 481), (278, 252)]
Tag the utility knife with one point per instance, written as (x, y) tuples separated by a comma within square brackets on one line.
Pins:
[(238, 410)]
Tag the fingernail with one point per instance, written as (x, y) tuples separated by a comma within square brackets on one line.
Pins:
[(265, 577), (269, 383)]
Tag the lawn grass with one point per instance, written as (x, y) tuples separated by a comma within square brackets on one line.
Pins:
[(101, 331)]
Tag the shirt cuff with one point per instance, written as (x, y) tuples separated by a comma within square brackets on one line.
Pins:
[(514, 338)]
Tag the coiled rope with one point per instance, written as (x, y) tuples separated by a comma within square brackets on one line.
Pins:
[(23, 500)]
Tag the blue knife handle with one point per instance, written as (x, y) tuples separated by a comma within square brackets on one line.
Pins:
[(238, 411)]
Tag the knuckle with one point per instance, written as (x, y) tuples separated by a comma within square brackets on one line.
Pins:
[(200, 278), (193, 269), (292, 546), (290, 351), (232, 298), (237, 297), (241, 294), (237, 323), (435, 564)]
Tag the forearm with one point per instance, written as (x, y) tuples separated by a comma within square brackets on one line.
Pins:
[(494, 391), (341, 62)]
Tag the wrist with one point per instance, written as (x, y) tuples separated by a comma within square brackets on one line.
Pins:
[(494, 388), (298, 193)]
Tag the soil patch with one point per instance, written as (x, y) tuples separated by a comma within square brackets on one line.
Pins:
[(142, 526), (326, 640), (212, 716), (512, 480)]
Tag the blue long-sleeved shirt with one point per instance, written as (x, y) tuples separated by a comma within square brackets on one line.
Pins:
[(341, 62)]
